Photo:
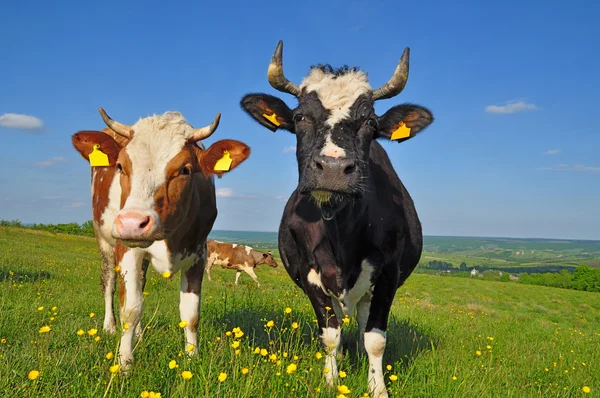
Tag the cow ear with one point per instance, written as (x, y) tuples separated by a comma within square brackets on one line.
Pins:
[(222, 156), (99, 143), (265, 255), (269, 111), (403, 122)]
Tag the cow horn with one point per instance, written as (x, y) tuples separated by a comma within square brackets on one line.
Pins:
[(119, 128), (275, 74), (205, 132), (397, 82)]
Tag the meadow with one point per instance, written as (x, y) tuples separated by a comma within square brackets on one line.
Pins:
[(448, 337)]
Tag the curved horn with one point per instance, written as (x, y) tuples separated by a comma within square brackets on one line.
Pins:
[(205, 132), (397, 82), (275, 73), (119, 128)]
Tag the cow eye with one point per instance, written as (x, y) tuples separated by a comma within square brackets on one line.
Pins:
[(371, 122), (185, 171), (298, 117)]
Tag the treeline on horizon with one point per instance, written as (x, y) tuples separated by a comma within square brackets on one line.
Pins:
[(85, 229), (581, 278)]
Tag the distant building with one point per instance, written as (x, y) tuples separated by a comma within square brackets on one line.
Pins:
[(474, 272)]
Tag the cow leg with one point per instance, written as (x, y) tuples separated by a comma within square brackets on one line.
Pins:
[(107, 280), (132, 301), (375, 334), (138, 328), (329, 331), (250, 272), (237, 276), (209, 265), (362, 315), (189, 303)]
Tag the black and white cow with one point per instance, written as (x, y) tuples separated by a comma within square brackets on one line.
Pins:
[(350, 235)]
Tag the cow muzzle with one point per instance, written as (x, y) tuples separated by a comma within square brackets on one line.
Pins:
[(328, 176), (134, 228)]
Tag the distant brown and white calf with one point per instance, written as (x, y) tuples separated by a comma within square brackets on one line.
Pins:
[(153, 200), (237, 257)]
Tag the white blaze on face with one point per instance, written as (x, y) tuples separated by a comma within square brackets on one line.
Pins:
[(337, 94), (156, 140)]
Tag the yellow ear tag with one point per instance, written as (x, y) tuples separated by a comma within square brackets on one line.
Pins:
[(401, 132), (98, 158), (272, 118), (224, 164)]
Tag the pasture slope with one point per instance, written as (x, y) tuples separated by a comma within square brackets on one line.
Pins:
[(449, 337)]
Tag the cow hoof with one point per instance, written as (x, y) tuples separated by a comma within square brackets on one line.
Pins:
[(110, 328)]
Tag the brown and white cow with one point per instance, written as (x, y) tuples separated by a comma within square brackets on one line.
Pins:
[(238, 257), (155, 201)]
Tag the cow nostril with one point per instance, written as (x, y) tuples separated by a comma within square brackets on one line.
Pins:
[(349, 169), (319, 165), (145, 223)]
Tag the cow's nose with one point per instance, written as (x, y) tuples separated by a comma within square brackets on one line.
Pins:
[(334, 166), (133, 225)]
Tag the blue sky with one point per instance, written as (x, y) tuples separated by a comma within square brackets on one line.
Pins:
[(513, 86)]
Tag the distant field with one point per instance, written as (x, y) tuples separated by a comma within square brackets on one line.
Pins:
[(449, 337)]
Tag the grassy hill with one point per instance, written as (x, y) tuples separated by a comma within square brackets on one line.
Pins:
[(448, 337)]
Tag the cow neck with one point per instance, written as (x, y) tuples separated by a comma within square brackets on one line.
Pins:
[(345, 228)]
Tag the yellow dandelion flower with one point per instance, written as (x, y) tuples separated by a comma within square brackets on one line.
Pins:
[(291, 368), (478, 353), (54, 308), (97, 339), (238, 334), (235, 344), (393, 377), (110, 355), (145, 394), (186, 374), (288, 310), (586, 389), (173, 364), (45, 329), (546, 369), (263, 352), (218, 338), (389, 367), (3, 341), (342, 374), (118, 268), (166, 274), (318, 355), (51, 318), (273, 357), (341, 396), (183, 324), (228, 333), (34, 374), (237, 352), (80, 332), (92, 315), (257, 350), (41, 308), (114, 369), (454, 377), (296, 357), (126, 326), (489, 347), (328, 308), (326, 370), (92, 332), (294, 325), (343, 389), (346, 319), (270, 324), (245, 371), (222, 377), (145, 294), (190, 347)]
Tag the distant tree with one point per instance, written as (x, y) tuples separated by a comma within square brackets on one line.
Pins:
[(463, 266)]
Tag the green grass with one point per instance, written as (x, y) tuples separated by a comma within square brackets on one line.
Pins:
[(438, 324)]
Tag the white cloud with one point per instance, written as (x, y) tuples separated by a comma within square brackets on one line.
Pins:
[(20, 122), (224, 192), (280, 197), (552, 152), (289, 149), (73, 205), (50, 162), (511, 107), (576, 167)]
